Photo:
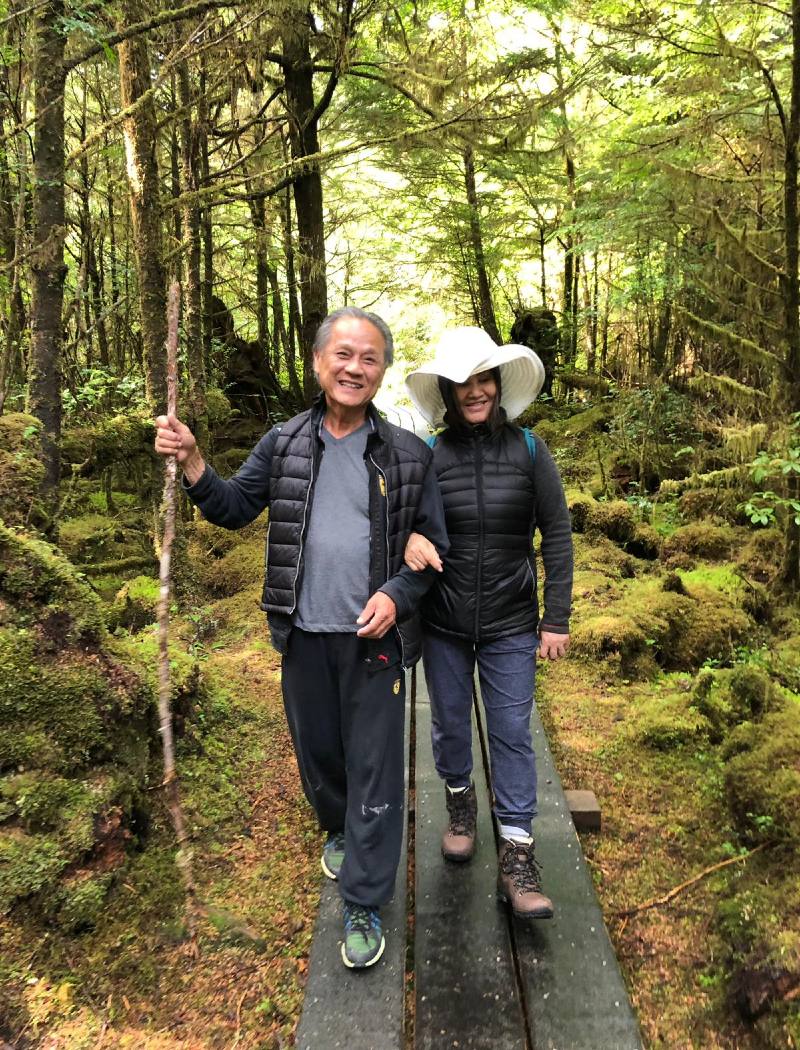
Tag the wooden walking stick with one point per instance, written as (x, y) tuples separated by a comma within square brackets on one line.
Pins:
[(170, 783)]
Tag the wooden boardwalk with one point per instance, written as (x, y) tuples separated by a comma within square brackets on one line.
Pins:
[(462, 973)]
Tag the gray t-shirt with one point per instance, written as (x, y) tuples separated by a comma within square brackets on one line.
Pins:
[(335, 585)]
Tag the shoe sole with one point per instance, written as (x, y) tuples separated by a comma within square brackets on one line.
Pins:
[(363, 966), (327, 871), (458, 858), (524, 915)]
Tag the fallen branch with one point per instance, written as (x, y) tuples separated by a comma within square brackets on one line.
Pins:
[(184, 854), (689, 882)]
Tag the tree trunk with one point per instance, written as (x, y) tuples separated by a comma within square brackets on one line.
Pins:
[(140, 131), (543, 265), (304, 142), (790, 288), (291, 293), (486, 313), (48, 270), (206, 227), (190, 229)]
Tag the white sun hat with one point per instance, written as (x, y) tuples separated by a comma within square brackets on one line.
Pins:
[(464, 351)]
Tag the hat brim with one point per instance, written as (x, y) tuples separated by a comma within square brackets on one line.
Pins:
[(521, 380)]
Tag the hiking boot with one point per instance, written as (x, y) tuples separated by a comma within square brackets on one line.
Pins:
[(458, 842), (333, 854), (363, 937), (519, 882)]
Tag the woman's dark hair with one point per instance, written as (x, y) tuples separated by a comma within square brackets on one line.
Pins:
[(453, 416)]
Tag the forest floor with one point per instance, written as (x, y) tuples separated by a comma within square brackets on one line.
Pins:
[(132, 980)]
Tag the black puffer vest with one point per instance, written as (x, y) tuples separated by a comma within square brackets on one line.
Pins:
[(396, 464), (488, 587)]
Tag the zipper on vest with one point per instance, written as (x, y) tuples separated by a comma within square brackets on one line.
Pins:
[(384, 488), (479, 559), (302, 537)]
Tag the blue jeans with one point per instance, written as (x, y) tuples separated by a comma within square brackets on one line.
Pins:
[(507, 671)]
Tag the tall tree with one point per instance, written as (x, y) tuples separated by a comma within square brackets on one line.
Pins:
[(48, 270)]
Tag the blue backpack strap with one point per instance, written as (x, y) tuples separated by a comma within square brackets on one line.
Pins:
[(530, 441), (431, 441)]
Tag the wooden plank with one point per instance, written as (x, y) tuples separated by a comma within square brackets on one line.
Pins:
[(357, 1009), (465, 989), (575, 995)]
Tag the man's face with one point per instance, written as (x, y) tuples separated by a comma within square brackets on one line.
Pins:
[(350, 366)]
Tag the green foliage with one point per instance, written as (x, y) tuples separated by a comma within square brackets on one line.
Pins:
[(767, 507), (649, 426), (98, 390)]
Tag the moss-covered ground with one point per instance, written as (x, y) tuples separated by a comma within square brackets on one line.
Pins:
[(679, 706), (125, 976)]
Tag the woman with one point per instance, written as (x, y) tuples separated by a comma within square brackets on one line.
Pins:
[(499, 483)]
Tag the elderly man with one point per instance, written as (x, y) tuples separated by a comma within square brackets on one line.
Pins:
[(345, 490)]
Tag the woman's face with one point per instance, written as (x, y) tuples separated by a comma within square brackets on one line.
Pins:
[(476, 397)]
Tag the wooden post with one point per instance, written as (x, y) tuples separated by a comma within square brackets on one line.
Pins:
[(170, 783)]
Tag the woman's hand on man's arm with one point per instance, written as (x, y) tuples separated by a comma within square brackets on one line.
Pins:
[(420, 554)]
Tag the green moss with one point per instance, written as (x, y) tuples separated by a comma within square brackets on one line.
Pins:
[(43, 588), (27, 864), (21, 468), (59, 714), (80, 901), (762, 776), (136, 603), (701, 540), (617, 638), (667, 722), (235, 570), (723, 578), (88, 536)]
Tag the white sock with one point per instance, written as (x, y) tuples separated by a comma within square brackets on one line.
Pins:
[(457, 791), (508, 831)]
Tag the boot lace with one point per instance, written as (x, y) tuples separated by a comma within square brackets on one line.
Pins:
[(359, 919), (460, 811), (519, 861)]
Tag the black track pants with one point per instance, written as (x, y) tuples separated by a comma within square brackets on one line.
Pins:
[(346, 716)]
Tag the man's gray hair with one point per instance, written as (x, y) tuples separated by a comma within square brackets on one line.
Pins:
[(325, 329)]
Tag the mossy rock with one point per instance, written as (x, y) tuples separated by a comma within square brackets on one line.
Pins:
[(730, 697), (88, 537), (63, 712), (28, 864), (618, 638), (762, 776), (701, 540), (218, 407), (115, 439), (229, 461), (586, 420), (614, 519), (701, 504), (685, 630), (136, 603), (668, 722), (785, 662), (80, 900), (21, 468), (761, 556), (235, 570), (46, 590)]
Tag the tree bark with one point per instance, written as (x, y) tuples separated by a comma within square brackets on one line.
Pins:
[(190, 229), (304, 142), (790, 287), (140, 131), (48, 270), (485, 305)]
